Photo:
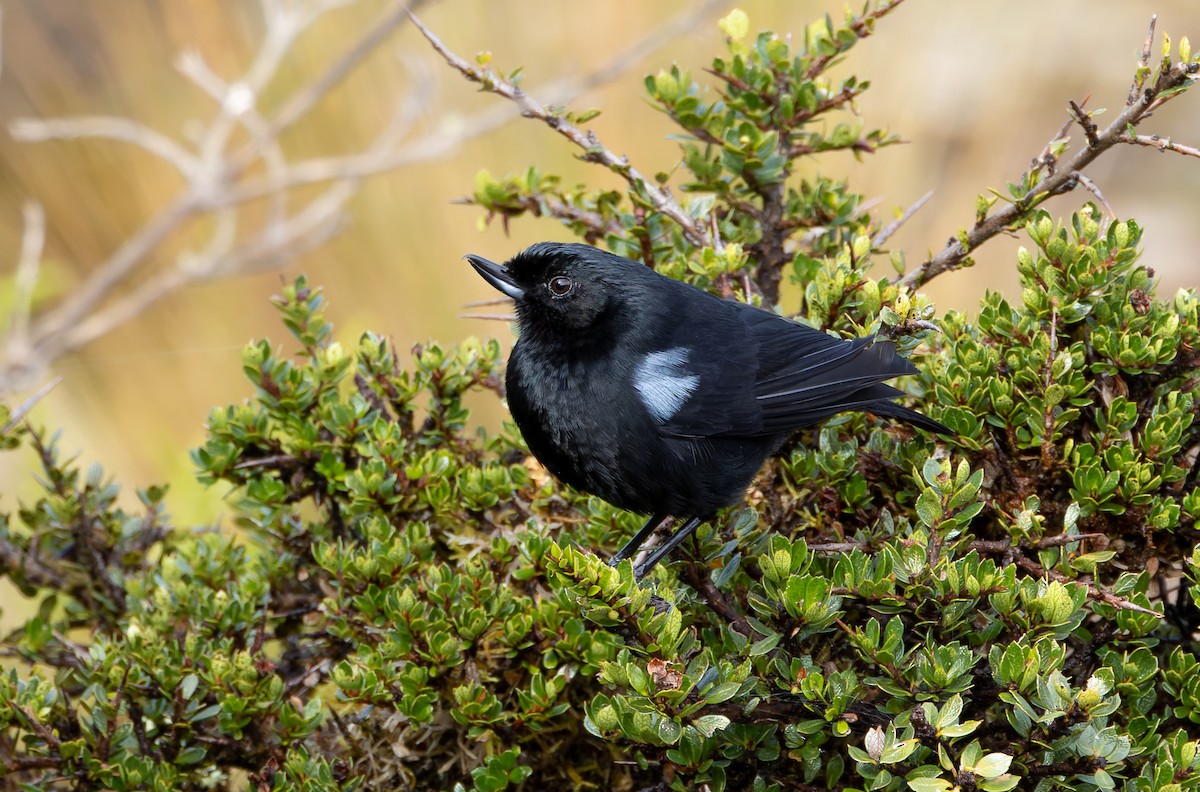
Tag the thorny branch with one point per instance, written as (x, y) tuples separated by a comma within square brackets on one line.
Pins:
[(1063, 176), (221, 174)]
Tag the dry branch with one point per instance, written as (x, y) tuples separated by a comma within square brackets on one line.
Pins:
[(220, 175)]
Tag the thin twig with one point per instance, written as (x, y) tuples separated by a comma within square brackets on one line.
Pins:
[(883, 236), (24, 407), (303, 101), (1091, 187), (33, 242), (1143, 67), (1005, 545), (593, 150), (1090, 130), (837, 547), (482, 303), (1047, 158), (1095, 592), (125, 130), (114, 270), (699, 577), (1161, 143)]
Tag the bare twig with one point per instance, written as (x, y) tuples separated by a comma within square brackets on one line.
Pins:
[(305, 99), (837, 547), (883, 236), (219, 177), (441, 142), (112, 272), (699, 577), (1005, 545), (482, 303), (1143, 68), (125, 130), (594, 150), (1094, 592), (1090, 130), (33, 242), (1091, 187), (1161, 143), (1047, 159), (35, 725), (24, 407)]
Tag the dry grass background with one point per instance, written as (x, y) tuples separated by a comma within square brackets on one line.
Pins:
[(977, 87)]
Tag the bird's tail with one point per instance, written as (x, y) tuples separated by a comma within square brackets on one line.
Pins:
[(887, 409)]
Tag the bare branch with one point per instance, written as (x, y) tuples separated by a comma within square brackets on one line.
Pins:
[(593, 150), (113, 271), (1161, 143), (24, 407), (126, 130), (1143, 68), (220, 177), (192, 65), (482, 303), (1091, 187), (1061, 177), (33, 241), (883, 236), (1095, 592), (305, 99)]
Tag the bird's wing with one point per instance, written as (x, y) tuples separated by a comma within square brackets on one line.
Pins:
[(761, 374), (806, 376), (700, 380)]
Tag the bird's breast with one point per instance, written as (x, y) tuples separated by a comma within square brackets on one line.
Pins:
[(596, 424), (573, 413)]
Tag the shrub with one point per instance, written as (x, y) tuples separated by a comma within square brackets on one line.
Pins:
[(412, 603)]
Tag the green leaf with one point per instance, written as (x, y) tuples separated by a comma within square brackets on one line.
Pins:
[(708, 725), (992, 765), (188, 686)]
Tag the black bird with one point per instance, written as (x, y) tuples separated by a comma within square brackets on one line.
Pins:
[(661, 398)]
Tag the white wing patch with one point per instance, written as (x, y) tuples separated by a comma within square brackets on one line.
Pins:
[(663, 383)]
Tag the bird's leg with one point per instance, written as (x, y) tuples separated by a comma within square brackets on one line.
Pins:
[(666, 547), (639, 538)]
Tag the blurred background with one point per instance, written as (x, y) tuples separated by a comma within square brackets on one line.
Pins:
[(978, 88)]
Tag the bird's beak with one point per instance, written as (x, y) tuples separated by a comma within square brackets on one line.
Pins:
[(497, 275)]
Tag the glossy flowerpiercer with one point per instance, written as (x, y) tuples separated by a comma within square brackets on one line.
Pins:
[(661, 398)]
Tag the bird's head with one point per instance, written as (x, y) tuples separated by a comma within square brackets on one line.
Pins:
[(560, 287)]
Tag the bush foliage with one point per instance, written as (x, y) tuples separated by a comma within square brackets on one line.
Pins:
[(411, 603)]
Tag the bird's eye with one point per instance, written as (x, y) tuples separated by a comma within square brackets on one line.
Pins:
[(560, 285)]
